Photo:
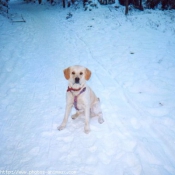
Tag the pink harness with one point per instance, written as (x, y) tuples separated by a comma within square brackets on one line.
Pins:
[(76, 97)]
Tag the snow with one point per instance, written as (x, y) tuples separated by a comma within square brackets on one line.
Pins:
[(133, 67)]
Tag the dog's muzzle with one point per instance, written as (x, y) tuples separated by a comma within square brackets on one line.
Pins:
[(77, 80)]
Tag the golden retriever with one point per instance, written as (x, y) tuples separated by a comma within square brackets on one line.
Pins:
[(81, 96)]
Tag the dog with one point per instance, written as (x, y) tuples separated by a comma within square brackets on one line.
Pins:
[(81, 96)]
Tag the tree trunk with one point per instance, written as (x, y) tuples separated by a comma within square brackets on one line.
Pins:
[(140, 5), (126, 7), (64, 4)]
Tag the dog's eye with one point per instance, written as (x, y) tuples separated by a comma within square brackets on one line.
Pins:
[(81, 73), (73, 73)]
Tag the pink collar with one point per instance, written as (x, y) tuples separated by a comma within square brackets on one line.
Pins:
[(72, 89)]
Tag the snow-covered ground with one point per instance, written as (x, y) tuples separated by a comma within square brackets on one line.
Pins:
[(132, 60)]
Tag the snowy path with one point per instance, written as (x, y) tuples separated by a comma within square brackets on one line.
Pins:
[(133, 67)]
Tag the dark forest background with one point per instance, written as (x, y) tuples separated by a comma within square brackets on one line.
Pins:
[(137, 4)]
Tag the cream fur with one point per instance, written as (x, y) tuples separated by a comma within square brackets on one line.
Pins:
[(88, 104)]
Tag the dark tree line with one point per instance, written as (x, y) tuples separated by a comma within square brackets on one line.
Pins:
[(136, 3), (165, 4)]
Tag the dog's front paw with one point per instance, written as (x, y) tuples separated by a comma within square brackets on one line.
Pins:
[(61, 127), (87, 129), (74, 116), (100, 120)]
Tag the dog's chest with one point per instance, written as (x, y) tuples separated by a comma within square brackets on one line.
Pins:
[(78, 99), (78, 103)]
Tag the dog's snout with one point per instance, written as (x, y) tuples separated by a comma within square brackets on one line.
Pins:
[(77, 80)]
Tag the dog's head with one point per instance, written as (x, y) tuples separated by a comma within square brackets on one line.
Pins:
[(77, 75)]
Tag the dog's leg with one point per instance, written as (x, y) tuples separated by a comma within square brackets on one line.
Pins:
[(77, 114), (67, 113), (100, 119), (100, 114), (97, 111), (87, 116)]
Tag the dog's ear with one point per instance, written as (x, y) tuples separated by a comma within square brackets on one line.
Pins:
[(67, 73), (87, 74)]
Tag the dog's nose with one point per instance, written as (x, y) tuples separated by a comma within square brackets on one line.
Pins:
[(77, 80)]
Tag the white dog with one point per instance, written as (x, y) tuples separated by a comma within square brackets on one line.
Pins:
[(80, 96)]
